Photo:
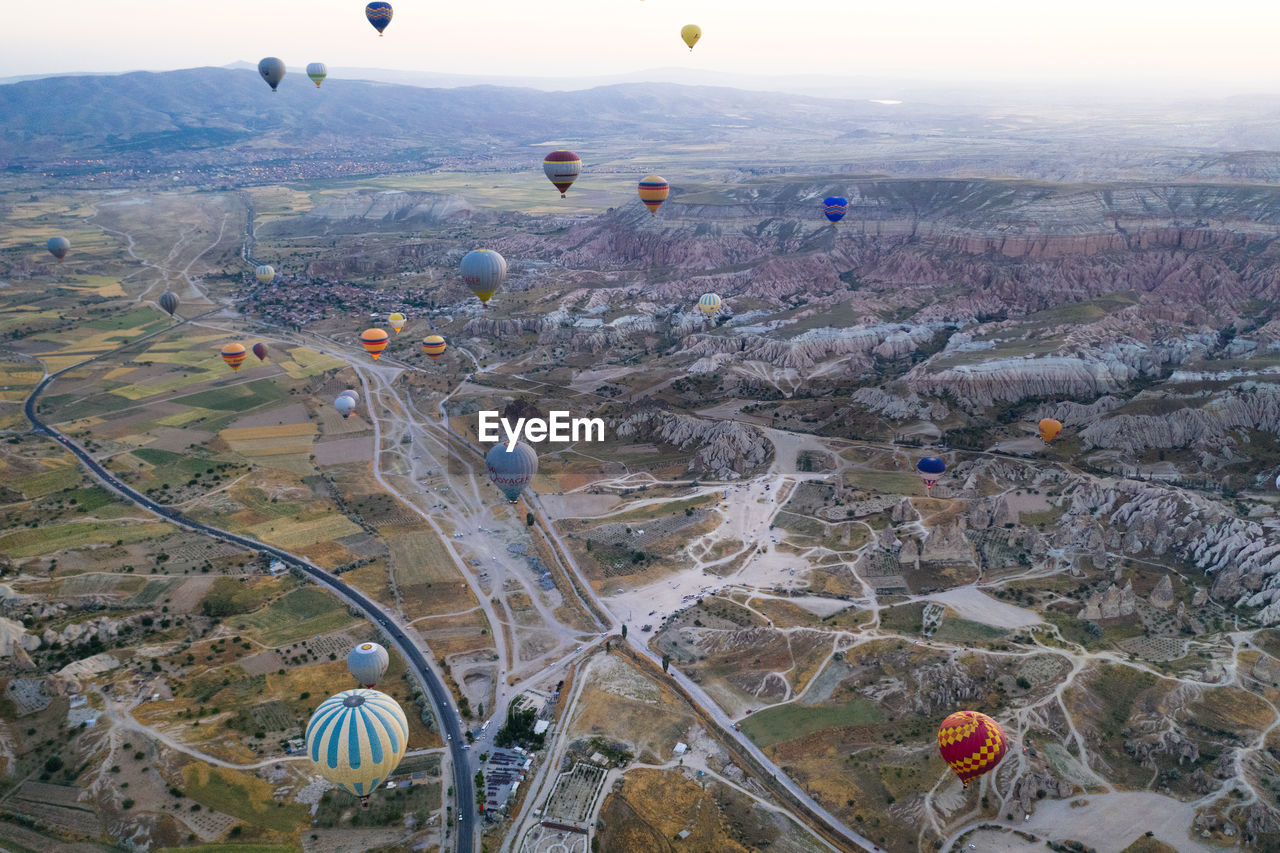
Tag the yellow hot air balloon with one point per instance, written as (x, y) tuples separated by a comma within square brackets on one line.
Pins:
[(691, 33), (234, 355), (433, 346), (374, 341), (653, 190), (1049, 429), (356, 739), (397, 322), (709, 303)]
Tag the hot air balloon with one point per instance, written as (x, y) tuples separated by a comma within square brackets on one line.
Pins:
[(354, 395), (265, 273), (397, 322), (366, 663), (379, 14), (834, 207), (972, 743), (709, 304), (690, 33), (931, 468), (260, 350), (375, 341), (562, 169), (271, 70), (234, 355), (356, 739), (169, 301), (511, 470), (317, 71), (58, 247), (654, 190), (484, 271), (345, 406), (1049, 429), (433, 346)]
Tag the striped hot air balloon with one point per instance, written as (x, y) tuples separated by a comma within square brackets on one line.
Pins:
[(972, 743), (379, 14), (709, 304), (169, 301), (265, 273), (367, 662), (434, 346), (654, 190), (562, 169), (317, 71), (396, 322), (834, 207), (356, 739), (234, 355), (511, 470), (374, 341), (484, 271)]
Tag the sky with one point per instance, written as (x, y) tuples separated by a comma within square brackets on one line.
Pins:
[(1228, 46)]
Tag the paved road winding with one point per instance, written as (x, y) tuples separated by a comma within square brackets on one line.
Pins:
[(446, 713)]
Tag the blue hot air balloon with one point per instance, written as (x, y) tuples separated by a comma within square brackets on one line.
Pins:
[(356, 738), (511, 470), (368, 661), (379, 14), (931, 468), (835, 207)]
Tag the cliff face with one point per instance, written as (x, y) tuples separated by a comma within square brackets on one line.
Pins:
[(724, 450)]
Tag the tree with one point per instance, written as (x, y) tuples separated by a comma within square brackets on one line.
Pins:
[(528, 519), (666, 662), (624, 630)]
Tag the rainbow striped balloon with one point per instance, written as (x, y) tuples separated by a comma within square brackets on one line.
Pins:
[(374, 341), (234, 355), (356, 738), (433, 346), (379, 14), (653, 190), (972, 743)]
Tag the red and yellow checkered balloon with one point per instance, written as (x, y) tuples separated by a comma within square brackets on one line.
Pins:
[(971, 743)]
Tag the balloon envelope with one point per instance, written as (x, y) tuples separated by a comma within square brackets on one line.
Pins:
[(511, 470), (931, 468), (234, 355), (653, 190), (354, 395), (374, 341), (260, 350), (433, 346), (972, 743), (169, 301), (271, 69), (58, 247), (709, 304), (345, 406), (379, 14), (1049, 429), (317, 71), (265, 273), (484, 271), (367, 662), (690, 33), (562, 169), (356, 738), (396, 321), (835, 207)]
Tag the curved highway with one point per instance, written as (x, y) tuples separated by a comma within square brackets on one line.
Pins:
[(446, 713)]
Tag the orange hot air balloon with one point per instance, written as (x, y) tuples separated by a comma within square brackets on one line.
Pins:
[(1049, 429), (433, 346), (972, 743), (375, 341), (234, 355), (653, 190)]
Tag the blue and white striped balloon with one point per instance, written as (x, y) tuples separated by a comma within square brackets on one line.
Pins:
[(356, 739)]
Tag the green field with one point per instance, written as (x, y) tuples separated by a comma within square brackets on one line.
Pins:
[(241, 795), (300, 615), (233, 848), (237, 398), (46, 540), (791, 722)]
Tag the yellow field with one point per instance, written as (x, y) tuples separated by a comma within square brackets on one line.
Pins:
[(185, 417), (299, 534), (104, 285), (274, 431), (172, 383), (312, 362), (117, 372)]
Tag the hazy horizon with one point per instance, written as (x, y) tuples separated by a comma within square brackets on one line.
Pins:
[(1139, 48)]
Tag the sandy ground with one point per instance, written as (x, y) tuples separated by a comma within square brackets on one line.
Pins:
[(338, 451), (971, 603), (578, 505), (178, 440), (294, 414), (1113, 821)]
